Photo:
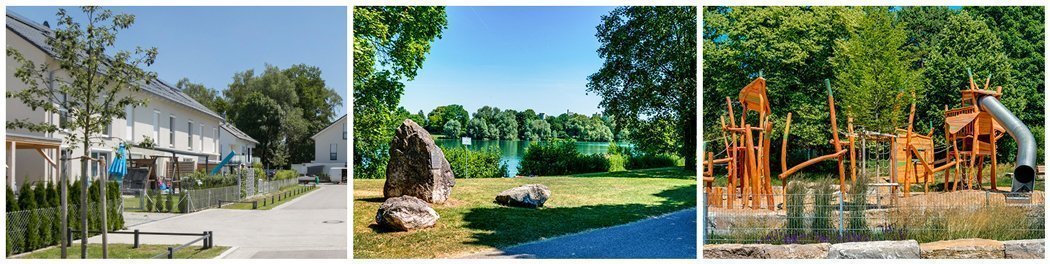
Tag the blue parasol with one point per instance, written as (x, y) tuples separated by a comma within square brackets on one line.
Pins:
[(119, 167)]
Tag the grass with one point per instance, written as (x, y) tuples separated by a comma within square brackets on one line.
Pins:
[(124, 251), (471, 222), (133, 204), (264, 201)]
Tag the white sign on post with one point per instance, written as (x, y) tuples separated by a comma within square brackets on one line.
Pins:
[(465, 141)]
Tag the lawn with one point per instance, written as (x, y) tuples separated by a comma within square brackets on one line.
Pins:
[(134, 204), (471, 222), (264, 201), (124, 251)]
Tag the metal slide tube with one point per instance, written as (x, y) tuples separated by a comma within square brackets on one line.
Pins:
[(1024, 171)]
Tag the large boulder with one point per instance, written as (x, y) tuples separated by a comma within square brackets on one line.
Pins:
[(1024, 249), (406, 213), (766, 251), (529, 195), (908, 249), (417, 166), (972, 248)]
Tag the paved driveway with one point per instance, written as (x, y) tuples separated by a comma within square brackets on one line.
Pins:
[(296, 229), (668, 236)]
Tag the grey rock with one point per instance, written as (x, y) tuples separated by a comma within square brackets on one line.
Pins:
[(766, 251), (1025, 249), (406, 213), (529, 195), (417, 166), (908, 249)]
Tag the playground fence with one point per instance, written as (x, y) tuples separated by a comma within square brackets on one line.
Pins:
[(803, 218)]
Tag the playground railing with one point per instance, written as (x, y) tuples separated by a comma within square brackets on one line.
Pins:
[(876, 215)]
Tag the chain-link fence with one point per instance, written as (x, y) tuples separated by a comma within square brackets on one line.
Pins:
[(197, 200), (28, 230), (824, 215), (266, 187)]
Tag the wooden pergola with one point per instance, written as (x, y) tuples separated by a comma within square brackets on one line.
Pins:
[(15, 141)]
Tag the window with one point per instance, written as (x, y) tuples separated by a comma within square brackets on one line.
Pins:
[(129, 115), (156, 127), (189, 135), (96, 171), (215, 131), (334, 153), (200, 136), (171, 131), (108, 130), (344, 132)]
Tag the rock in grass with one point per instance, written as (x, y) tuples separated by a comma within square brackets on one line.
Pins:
[(406, 213), (417, 166), (972, 248), (529, 195)]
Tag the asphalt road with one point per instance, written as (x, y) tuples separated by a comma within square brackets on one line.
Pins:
[(311, 226), (671, 236)]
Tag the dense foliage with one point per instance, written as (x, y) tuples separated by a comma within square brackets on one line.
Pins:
[(648, 78), (33, 218), (281, 108), (876, 57), (483, 163), (559, 157), (507, 124), (390, 45)]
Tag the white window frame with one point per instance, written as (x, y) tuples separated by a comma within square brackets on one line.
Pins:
[(156, 127), (171, 130), (333, 152), (189, 134), (129, 117)]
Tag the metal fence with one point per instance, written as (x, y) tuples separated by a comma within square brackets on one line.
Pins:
[(814, 216), (208, 198), (266, 187), (28, 230)]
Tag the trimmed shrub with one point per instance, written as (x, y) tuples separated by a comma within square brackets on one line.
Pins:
[(285, 174), (27, 201), (559, 158), (201, 180), (44, 227), (617, 162), (12, 201), (483, 163)]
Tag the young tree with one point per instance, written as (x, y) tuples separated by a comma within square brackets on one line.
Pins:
[(873, 72), (96, 85), (390, 45), (649, 74)]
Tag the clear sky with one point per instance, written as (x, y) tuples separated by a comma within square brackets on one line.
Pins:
[(511, 58), (209, 44)]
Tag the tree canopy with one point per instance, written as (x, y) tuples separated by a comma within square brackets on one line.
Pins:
[(648, 78)]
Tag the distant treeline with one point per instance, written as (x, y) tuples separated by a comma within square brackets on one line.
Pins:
[(492, 123)]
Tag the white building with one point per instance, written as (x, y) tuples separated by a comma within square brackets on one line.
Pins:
[(178, 125), (235, 140), (330, 152)]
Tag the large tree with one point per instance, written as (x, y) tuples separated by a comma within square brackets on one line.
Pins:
[(649, 75), (390, 45), (874, 80), (96, 84)]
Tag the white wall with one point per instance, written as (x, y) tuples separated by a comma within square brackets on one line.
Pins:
[(323, 141)]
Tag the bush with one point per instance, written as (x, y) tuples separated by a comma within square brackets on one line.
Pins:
[(201, 180), (468, 163), (822, 209), (285, 174), (12, 202), (617, 162), (646, 161), (559, 158)]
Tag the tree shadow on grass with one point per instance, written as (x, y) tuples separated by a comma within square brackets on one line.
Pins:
[(668, 173), (501, 227)]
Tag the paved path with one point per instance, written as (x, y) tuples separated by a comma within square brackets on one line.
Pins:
[(669, 236), (295, 229)]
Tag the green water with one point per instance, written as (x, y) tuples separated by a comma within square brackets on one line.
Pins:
[(511, 151)]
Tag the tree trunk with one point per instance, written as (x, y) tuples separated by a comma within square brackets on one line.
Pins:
[(689, 141), (64, 181), (84, 197), (104, 209)]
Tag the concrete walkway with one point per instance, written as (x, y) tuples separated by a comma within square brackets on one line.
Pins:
[(311, 226), (669, 236)]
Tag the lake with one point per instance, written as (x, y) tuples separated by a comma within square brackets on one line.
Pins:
[(513, 150)]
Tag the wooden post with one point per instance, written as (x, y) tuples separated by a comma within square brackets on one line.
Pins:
[(835, 136), (852, 151), (995, 160), (783, 157), (752, 167)]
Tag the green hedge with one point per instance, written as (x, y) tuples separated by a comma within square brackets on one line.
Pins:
[(43, 227), (468, 163), (560, 158), (285, 174), (202, 180)]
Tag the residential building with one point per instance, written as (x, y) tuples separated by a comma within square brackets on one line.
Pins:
[(330, 152)]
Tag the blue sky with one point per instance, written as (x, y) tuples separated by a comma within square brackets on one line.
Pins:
[(511, 57), (209, 44)]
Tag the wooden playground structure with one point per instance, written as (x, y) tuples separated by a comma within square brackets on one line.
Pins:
[(971, 134)]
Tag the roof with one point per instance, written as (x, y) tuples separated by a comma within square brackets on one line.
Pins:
[(37, 35), (329, 126), (238, 133)]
